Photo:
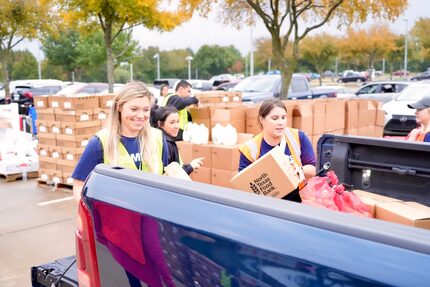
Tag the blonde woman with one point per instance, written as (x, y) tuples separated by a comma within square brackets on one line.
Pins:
[(127, 141)]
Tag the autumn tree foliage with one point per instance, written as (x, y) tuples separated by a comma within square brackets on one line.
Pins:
[(115, 17), (290, 21), (20, 19)]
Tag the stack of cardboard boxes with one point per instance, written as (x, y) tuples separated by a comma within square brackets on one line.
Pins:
[(397, 211), (65, 124)]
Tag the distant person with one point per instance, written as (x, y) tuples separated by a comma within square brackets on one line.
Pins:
[(422, 113), (164, 91), (181, 100), (168, 121), (272, 117)]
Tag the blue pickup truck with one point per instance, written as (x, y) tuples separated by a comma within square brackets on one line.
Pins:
[(140, 229)]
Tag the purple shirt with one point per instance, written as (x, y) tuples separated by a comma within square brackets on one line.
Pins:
[(307, 155)]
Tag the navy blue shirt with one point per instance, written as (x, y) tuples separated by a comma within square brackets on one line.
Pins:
[(427, 138), (307, 155), (93, 155)]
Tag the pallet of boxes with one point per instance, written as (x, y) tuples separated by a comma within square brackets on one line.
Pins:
[(65, 124)]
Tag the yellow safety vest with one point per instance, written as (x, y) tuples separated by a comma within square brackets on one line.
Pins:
[(251, 149), (183, 114), (125, 160)]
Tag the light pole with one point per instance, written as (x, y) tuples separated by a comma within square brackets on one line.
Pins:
[(157, 56), (189, 59), (406, 48), (269, 65)]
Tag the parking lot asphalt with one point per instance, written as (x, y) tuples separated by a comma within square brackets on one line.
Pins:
[(37, 225)]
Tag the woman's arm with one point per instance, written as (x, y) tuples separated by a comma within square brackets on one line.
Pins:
[(309, 171), (77, 189)]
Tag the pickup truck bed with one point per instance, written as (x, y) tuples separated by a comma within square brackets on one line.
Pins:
[(203, 235)]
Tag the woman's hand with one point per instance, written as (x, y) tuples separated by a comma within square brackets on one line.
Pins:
[(197, 162)]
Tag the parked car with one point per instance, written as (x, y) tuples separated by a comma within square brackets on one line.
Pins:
[(382, 91), (23, 91), (328, 74), (400, 73), (399, 119), (84, 88), (422, 76), (263, 87), (202, 85), (166, 81), (342, 92), (227, 86), (352, 77)]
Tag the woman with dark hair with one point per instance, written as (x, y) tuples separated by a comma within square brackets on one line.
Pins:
[(167, 119), (272, 117)]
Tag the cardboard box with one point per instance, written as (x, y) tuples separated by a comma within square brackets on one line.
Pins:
[(72, 154), (335, 115), (105, 101), (225, 157), (44, 174), (185, 150), (66, 165), (73, 116), (174, 169), (54, 127), (234, 116), (314, 141), (80, 128), (101, 114), (47, 139), (203, 174), (271, 175), (290, 105), (80, 102), (46, 115), (55, 152), (222, 177), (319, 114), (352, 132), (54, 101), (204, 151), (407, 214), (372, 199), (201, 115), (303, 118), (56, 176), (40, 102), (73, 141), (366, 113), (43, 150), (67, 178), (48, 163), (351, 115), (366, 131), (42, 126)]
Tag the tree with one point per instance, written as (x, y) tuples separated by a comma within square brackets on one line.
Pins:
[(373, 44), (284, 21), (115, 17), (319, 51), (420, 32), (213, 60), (23, 65), (84, 55), (20, 19)]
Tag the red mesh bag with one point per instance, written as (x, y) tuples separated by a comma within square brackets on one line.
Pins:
[(327, 192)]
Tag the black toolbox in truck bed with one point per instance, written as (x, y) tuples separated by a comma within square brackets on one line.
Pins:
[(394, 168)]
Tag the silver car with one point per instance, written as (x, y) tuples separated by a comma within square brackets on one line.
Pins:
[(382, 91), (399, 118)]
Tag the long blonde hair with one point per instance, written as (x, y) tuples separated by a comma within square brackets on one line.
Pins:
[(130, 91)]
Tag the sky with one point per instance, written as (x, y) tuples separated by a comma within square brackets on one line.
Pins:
[(200, 31)]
